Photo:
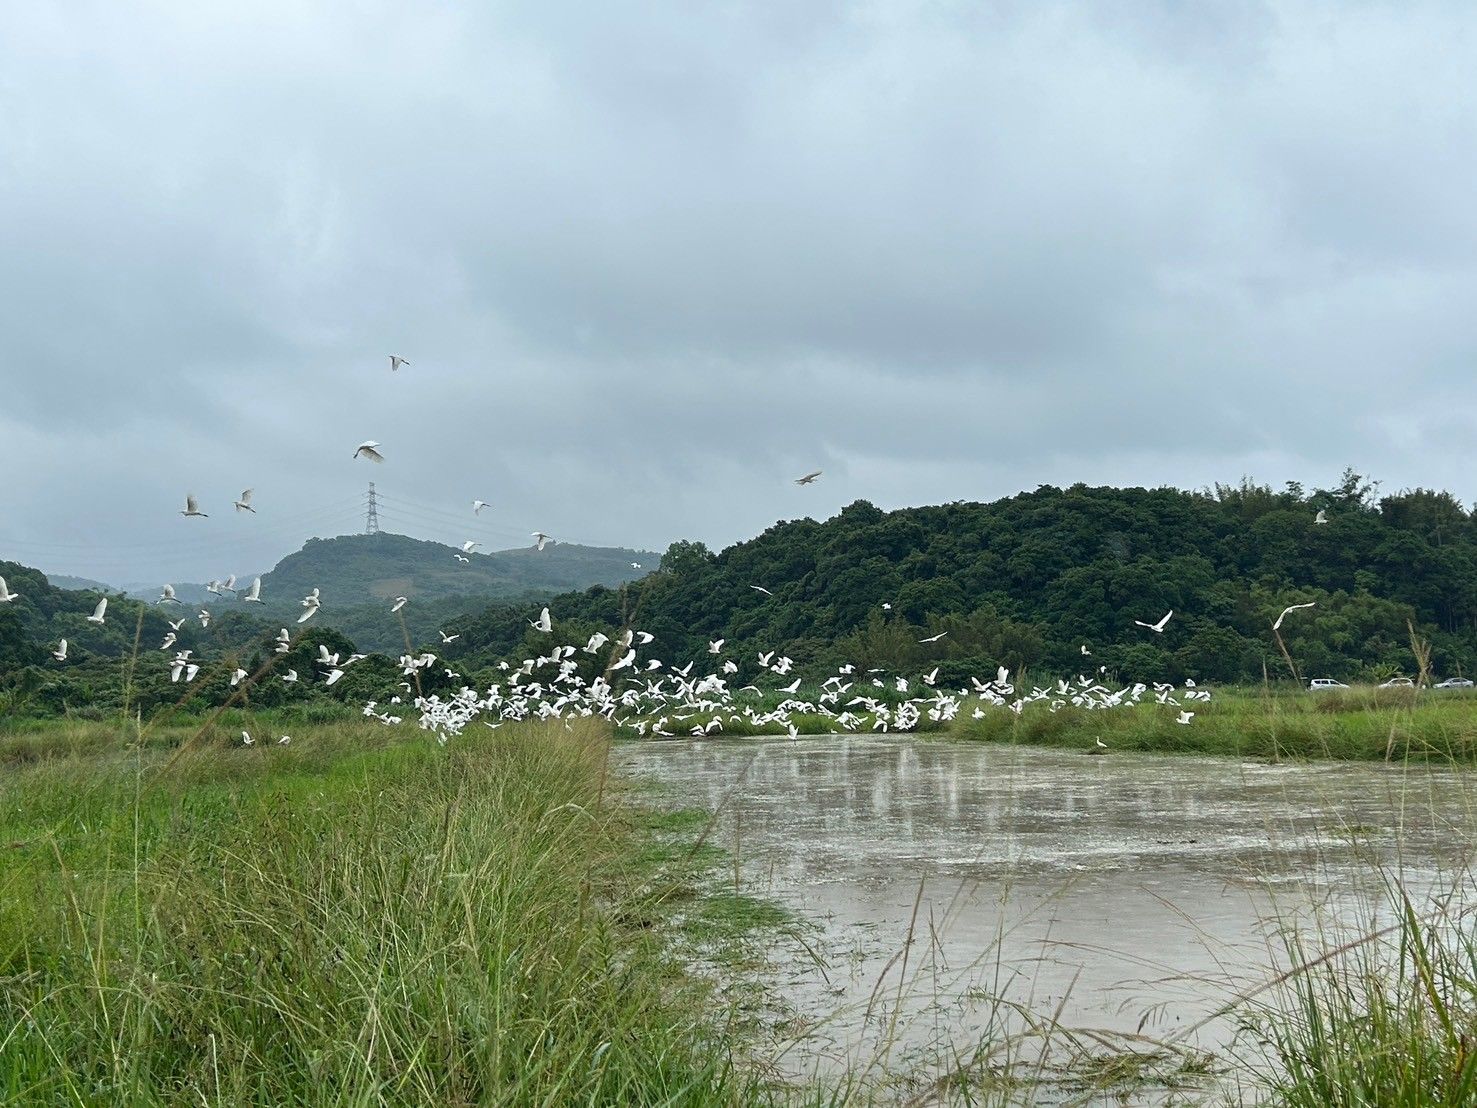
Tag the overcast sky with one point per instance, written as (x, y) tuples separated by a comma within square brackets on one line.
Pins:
[(651, 262)]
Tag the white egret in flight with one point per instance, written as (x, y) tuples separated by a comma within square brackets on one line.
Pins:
[(1157, 628), (99, 613), (192, 508), (396, 361), (809, 478), (370, 449), (311, 603), (1292, 608), (244, 504)]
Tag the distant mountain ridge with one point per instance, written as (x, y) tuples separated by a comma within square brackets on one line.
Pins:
[(352, 570)]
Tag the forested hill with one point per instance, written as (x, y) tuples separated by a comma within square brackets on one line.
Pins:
[(1030, 580), (362, 569)]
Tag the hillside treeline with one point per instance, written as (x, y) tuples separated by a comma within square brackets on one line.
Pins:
[(1028, 582), (1031, 580)]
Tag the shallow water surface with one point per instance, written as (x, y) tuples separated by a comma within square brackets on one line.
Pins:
[(1129, 894)]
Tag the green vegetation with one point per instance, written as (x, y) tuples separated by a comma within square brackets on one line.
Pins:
[(369, 569), (1360, 725), (351, 919), (1389, 1023), (1027, 581)]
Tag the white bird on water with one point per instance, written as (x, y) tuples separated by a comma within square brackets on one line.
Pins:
[(544, 622), (1292, 608), (478, 505), (244, 504), (60, 653), (396, 361), (1157, 628), (253, 594), (370, 449), (809, 478), (6, 596), (99, 613), (540, 540), (192, 508)]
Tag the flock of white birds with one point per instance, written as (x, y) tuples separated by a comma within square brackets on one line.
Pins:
[(653, 698)]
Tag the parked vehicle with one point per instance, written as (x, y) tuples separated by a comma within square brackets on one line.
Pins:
[(1453, 683), (1398, 683), (1318, 684)]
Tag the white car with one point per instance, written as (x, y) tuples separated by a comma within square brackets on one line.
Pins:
[(1454, 683), (1318, 684)]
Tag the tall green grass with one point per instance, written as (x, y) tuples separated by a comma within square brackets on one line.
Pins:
[(352, 919), (1388, 1021), (1361, 725)]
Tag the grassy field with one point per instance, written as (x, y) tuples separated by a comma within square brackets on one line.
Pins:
[(1361, 725), (366, 917), (360, 917)]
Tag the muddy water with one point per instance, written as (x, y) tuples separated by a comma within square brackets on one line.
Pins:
[(1128, 894)]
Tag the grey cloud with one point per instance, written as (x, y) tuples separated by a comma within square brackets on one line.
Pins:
[(650, 262)]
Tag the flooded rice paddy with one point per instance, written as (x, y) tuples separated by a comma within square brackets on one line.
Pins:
[(1012, 906)]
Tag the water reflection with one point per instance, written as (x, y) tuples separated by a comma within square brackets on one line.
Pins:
[(1137, 893)]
